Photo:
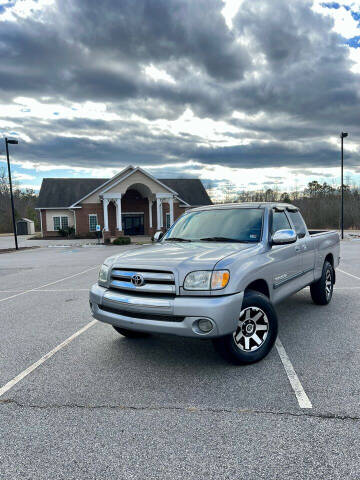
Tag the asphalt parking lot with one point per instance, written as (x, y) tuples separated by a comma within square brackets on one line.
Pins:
[(100, 406)]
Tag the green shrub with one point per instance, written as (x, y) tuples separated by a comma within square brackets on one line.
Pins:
[(67, 232), (122, 241)]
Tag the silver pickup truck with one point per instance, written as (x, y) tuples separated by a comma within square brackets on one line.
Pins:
[(217, 273)]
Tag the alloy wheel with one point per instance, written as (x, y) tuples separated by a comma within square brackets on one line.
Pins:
[(328, 283), (252, 329)]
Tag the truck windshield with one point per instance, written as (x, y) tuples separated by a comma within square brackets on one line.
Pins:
[(219, 225)]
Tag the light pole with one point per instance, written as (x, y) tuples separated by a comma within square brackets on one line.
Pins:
[(7, 143), (342, 136)]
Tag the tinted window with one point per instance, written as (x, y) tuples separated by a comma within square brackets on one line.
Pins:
[(280, 222), (299, 224), (239, 224)]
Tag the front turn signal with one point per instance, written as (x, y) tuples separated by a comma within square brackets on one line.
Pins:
[(219, 279)]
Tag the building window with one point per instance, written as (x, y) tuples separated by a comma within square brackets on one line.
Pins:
[(64, 222), (168, 225), (92, 222), (57, 223), (61, 223)]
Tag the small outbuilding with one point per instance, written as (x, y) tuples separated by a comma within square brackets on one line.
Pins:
[(24, 226)]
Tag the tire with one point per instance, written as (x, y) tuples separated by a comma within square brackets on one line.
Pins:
[(257, 318), (322, 290), (130, 333)]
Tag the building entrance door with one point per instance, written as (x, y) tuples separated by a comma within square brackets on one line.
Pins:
[(133, 223)]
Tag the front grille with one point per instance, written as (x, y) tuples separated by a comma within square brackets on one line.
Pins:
[(150, 282), (143, 316)]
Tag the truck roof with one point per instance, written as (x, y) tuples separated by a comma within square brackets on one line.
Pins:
[(280, 205)]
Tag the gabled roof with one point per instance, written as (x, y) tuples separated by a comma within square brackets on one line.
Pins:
[(120, 175), (131, 172), (65, 192)]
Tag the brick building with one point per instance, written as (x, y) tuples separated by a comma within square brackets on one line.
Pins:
[(133, 202)]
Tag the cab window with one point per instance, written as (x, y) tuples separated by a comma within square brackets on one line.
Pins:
[(299, 224), (280, 222)]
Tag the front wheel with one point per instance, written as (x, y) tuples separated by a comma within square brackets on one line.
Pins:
[(255, 334)]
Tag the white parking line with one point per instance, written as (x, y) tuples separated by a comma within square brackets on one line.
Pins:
[(346, 288), (346, 273), (51, 290), (43, 359), (48, 284), (302, 398)]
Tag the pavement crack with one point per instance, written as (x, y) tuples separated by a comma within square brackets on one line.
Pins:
[(154, 408)]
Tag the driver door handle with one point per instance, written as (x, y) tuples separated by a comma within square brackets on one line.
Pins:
[(297, 249)]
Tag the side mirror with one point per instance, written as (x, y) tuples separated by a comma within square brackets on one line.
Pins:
[(283, 237), (158, 236)]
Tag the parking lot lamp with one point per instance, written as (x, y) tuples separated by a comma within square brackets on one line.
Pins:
[(342, 136), (7, 143)]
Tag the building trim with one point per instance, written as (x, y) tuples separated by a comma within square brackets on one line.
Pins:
[(139, 169), (100, 186)]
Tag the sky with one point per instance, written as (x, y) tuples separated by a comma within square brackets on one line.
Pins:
[(253, 92)]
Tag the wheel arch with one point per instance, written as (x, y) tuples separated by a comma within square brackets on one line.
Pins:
[(260, 285)]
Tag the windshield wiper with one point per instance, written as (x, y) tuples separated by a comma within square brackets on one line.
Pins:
[(177, 239), (223, 239)]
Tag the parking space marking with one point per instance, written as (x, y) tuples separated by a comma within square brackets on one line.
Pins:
[(302, 398), (346, 288), (346, 273), (51, 290), (48, 284), (43, 359)]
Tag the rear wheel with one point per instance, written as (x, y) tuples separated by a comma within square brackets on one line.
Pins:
[(322, 290), (255, 334), (130, 333)]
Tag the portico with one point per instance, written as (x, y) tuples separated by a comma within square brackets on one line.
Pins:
[(156, 200)]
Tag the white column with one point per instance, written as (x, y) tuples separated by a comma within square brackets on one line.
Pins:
[(171, 204), (150, 212), (106, 220), (158, 213), (118, 214)]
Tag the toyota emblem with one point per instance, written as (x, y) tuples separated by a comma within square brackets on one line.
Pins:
[(137, 280)]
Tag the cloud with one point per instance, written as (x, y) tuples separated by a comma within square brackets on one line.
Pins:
[(89, 85)]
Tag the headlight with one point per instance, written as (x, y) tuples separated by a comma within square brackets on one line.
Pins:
[(103, 275), (205, 280)]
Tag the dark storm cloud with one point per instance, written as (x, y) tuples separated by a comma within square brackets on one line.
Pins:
[(275, 154), (281, 60)]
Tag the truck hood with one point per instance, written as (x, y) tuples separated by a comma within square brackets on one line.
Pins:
[(181, 256)]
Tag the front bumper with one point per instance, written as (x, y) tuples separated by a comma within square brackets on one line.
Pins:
[(177, 316)]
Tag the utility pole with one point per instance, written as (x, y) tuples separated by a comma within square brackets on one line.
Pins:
[(7, 143), (342, 136)]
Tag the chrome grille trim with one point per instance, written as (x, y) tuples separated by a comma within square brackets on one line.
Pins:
[(148, 276), (155, 282)]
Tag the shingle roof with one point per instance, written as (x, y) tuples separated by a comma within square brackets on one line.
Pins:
[(63, 192), (189, 189)]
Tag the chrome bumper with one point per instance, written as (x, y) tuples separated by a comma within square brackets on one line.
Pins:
[(177, 316)]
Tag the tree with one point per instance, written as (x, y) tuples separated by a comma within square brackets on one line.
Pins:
[(24, 202)]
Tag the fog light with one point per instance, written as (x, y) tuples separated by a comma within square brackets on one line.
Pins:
[(205, 325)]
